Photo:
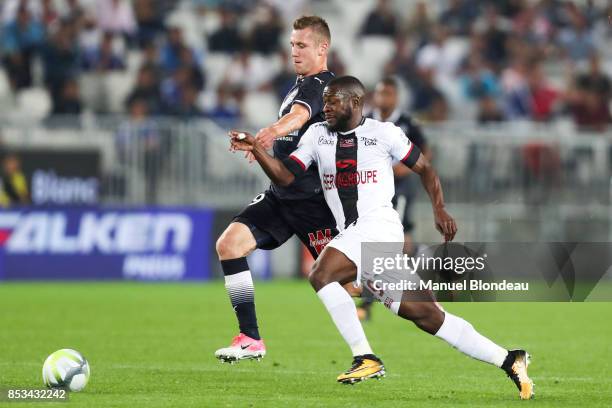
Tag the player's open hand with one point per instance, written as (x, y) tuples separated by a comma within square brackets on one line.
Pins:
[(241, 141), (445, 224), (266, 137)]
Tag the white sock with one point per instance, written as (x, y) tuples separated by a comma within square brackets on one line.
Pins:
[(343, 312), (240, 287), (462, 335)]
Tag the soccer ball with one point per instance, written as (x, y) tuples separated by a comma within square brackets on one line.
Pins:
[(66, 368)]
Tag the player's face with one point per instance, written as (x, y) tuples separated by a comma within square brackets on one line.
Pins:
[(305, 51), (337, 109), (385, 97)]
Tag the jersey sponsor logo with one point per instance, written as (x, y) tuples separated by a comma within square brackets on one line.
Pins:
[(349, 179), (347, 143), (368, 142), (319, 239), (326, 141), (346, 163), (284, 139)]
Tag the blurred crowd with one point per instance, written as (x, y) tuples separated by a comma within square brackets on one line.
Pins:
[(513, 59), (509, 59)]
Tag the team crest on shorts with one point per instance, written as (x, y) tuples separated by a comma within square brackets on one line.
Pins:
[(319, 239)]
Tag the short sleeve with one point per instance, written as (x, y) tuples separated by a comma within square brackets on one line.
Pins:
[(302, 157), (310, 94), (400, 146)]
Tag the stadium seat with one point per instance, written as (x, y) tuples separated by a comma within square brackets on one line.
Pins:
[(33, 103), (370, 58), (260, 108), (119, 85), (216, 65)]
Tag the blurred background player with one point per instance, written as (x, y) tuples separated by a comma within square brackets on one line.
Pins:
[(14, 189), (280, 212), (388, 108)]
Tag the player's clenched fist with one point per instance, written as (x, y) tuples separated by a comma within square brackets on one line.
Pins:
[(242, 141)]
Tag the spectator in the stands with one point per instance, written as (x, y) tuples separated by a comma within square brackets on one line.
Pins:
[(285, 79), (226, 109), (419, 25), (245, 74), (227, 37), (545, 99), (494, 30), (149, 19), (116, 16), (20, 41), (150, 59), (49, 15), (532, 25), (75, 11), (187, 108), (139, 139), (576, 41), (427, 100), (103, 58), (147, 88), (403, 62), (489, 111), (61, 58), (170, 54), (588, 98), (458, 16), (477, 80), (267, 30), (335, 63), (380, 21), (69, 99), (196, 75), (172, 88), (440, 55), (515, 88), (595, 79)]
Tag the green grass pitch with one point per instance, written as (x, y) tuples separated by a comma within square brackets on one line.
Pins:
[(152, 345)]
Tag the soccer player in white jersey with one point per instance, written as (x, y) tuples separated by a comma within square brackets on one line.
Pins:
[(354, 158)]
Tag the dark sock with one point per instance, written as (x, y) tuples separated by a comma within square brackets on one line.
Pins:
[(239, 285)]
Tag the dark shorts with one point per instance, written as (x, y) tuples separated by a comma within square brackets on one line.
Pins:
[(405, 193), (273, 221)]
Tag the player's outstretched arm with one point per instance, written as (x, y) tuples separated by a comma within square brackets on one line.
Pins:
[(274, 168), (292, 121), (445, 223)]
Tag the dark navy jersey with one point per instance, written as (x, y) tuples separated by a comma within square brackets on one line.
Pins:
[(412, 130), (307, 91)]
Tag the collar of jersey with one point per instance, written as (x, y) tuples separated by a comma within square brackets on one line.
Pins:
[(301, 77), (363, 118)]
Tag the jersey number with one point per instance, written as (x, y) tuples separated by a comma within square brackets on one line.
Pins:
[(258, 198)]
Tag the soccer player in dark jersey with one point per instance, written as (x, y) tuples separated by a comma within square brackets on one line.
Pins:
[(387, 109), (354, 156), (280, 212)]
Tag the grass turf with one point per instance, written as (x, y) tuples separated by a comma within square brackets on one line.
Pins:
[(152, 345)]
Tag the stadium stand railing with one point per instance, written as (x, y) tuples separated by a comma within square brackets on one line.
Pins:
[(545, 180)]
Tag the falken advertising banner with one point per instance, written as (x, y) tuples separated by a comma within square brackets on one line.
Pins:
[(93, 244)]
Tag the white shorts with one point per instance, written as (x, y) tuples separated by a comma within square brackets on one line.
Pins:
[(382, 226)]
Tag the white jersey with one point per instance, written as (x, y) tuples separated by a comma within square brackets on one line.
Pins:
[(355, 167)]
